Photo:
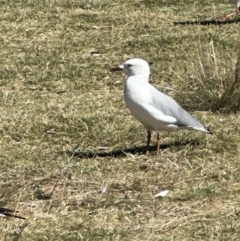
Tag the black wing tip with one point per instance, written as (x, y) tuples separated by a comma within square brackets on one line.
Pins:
[(209, 131)]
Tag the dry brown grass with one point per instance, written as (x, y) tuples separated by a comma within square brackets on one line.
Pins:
[(57, 92)]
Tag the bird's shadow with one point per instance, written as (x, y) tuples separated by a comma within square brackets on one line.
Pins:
[(134, 150), (208, 22)]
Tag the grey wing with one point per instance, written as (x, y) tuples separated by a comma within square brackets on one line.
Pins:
[(170, 107)]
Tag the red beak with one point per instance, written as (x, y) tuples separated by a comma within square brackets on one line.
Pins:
[(117, 68)]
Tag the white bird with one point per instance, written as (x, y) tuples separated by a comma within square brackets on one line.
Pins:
[(155, 110)]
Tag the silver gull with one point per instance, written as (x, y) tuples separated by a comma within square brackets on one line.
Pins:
[(154, 109)]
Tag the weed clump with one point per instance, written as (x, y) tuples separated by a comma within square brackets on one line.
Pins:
[(213, 85)]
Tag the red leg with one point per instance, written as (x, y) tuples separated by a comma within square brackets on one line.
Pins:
[(148, 141), (158, 142)]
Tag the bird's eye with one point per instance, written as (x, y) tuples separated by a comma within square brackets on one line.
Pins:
[(129, 65)]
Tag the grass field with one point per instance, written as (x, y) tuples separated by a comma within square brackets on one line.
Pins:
[(58, 97)]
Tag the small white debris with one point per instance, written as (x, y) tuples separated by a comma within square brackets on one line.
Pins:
[(104, 189), (162, 194), (223, 119), (17, 230), (102, 148), (117, 82), (96, 53), (2, 215)]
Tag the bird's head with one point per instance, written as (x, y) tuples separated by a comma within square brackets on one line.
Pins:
[(134, 67)]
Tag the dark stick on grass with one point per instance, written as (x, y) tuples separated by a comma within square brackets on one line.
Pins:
[(208, 22)]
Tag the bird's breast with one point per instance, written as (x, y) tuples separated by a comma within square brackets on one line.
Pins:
[(135, 95)]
